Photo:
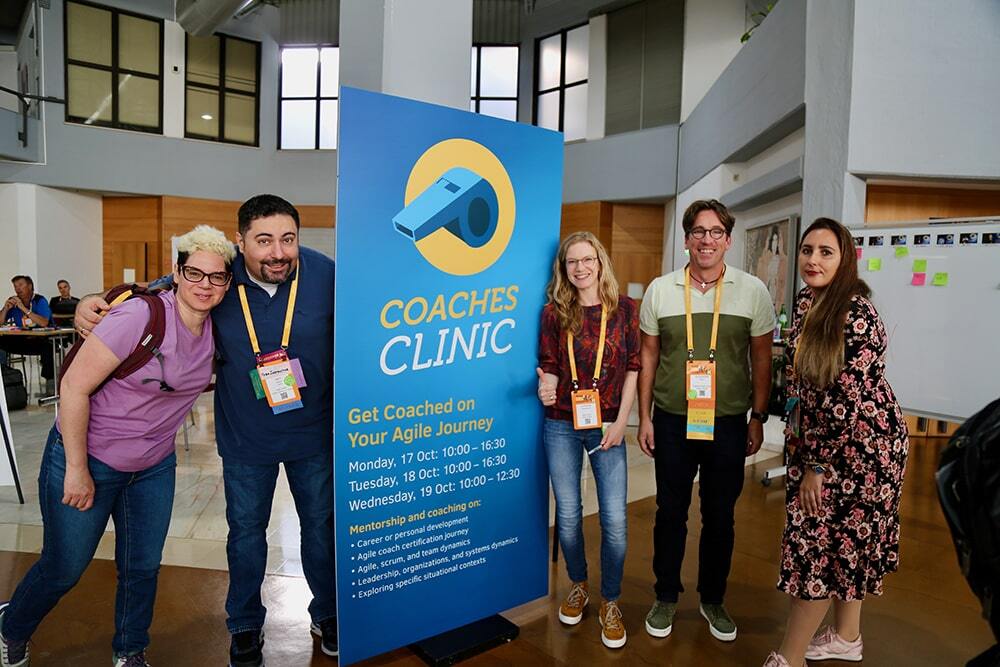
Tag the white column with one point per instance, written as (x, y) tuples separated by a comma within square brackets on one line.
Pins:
[(419, 50)]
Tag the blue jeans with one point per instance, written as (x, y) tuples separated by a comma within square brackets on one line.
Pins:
[(249, 494), (139, 503), (565, 448)]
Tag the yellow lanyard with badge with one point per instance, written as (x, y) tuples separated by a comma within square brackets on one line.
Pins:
[(700, 375), (276, 377), (587, 402)]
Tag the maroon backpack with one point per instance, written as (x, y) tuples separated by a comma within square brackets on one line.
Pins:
[(149, 343)]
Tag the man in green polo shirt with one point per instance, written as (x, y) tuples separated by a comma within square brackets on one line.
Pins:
[(699, 394)]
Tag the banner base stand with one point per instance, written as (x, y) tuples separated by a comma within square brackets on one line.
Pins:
[(455, 645)]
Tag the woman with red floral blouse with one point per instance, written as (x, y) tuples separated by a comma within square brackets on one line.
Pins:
[(847, 444), (588, 362)]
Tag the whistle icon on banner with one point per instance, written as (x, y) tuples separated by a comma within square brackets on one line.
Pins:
[(461, 201)]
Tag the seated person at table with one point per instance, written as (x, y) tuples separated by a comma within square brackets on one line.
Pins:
[(63, 306), (27, 310)]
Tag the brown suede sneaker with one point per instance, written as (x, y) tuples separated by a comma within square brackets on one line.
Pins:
[(571, 611), (612, 626)]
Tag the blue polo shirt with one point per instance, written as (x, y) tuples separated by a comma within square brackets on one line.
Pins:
[(39, 306), (246, 429)]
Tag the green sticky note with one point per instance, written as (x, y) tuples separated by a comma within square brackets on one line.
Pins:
[(920, 266), (940, 280), (902, 251), (875, 264)]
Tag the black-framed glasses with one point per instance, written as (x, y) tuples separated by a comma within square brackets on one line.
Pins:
[(715, 232), (196, 275)]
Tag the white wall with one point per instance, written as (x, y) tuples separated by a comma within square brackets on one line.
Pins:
[(426, 48), (51, 234), (712, 30), (321, 239), (740, 173), (70, 240), (925, 89), (173, 82), (8, 77), (9, 255)]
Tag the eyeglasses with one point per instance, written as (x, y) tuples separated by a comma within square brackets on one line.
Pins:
[(715, 232), (195, 275), (585, 262)]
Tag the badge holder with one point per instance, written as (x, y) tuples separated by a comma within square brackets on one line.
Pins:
[(700, 375), (586, 403), (275, 377)]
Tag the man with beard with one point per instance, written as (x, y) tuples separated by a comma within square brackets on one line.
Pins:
[(280, 311)]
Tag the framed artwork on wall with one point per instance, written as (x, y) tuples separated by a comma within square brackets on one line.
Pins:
[(770, 255)]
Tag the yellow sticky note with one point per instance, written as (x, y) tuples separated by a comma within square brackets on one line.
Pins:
[(940, 280), (875, 264), (920, 266), (902, 251)]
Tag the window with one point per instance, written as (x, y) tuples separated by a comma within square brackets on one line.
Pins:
[(114, 68), (310, 79), (221, 93), (561, 64), (494, 81)]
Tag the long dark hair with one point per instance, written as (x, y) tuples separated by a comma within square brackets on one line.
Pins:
[(821, 346)]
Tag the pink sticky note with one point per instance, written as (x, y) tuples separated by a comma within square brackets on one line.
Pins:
[(858, 250), (919, 279)]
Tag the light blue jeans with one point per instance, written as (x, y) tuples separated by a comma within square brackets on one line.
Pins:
[(565, 449)]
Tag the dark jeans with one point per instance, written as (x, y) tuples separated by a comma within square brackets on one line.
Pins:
[(40, 347), (140, 504), (677, 460), (249, 494)]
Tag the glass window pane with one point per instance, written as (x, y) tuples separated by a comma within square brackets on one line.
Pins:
[(89, 34), (472, 106), (241, 65), (506, 109), (203, 60), (138, 101), (548, 110), (202, 111), (328, 110), (499, 74), (138, 44), (241, 118), (89, 93), (575, 120), (329, 72), (298, 72), (577, 53), (298, 124), (472, 90), (549, 58)]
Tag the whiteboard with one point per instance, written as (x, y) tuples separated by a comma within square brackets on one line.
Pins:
[(943, 358), (6, 473)]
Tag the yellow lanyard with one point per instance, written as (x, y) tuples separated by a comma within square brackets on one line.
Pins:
[(289, 313), (715, 315), (600, 350)]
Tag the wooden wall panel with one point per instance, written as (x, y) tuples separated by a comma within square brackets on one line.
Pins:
[(127, 221), (592, 216), (890, 204), (182, 214), (637, 243), (316, 215)]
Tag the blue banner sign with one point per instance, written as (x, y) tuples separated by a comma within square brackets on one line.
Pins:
[(447, 222)]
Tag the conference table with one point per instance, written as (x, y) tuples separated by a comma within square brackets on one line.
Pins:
[(59, 337)]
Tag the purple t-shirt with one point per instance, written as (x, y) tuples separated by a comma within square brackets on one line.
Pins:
[(133, 425)]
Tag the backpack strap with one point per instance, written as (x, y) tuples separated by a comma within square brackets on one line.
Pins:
[(151, 339)]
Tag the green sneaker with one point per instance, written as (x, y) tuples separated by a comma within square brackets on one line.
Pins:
[(720, 623), (660, 619)]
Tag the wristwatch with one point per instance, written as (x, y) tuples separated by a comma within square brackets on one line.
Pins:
[(759, 416), (818, 469)]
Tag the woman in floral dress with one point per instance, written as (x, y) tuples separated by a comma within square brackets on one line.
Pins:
[(847, 444)]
